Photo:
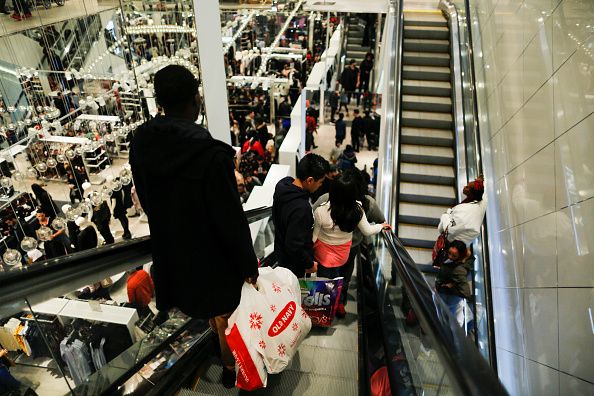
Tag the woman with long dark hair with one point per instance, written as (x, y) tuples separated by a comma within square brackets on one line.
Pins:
[(334, 223), (373, 214), (45, 201)]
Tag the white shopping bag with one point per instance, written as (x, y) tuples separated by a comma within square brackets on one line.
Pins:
[(267, 327)]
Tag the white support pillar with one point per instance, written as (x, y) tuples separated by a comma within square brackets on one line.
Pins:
[(212, 65)]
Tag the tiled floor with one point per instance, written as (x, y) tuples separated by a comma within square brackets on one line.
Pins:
[(325, 142)]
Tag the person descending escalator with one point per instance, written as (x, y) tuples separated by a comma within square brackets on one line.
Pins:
[(334, 223), (452, 282), (171, 157)]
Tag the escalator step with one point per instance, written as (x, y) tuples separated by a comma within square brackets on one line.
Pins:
[(426, 141), (426, 32), (428, 200), (409, 89), (418, 243), (427, 179), (426, 45), (427, 159), (436, 22), (418, 220), (427, 106), (425, 75), (427, 123), (420, 59)]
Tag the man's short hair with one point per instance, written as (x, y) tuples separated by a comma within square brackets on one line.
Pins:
[(312, 165), (175, 85)]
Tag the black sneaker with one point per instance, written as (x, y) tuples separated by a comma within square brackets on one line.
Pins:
[(228, 378), (5, 11)]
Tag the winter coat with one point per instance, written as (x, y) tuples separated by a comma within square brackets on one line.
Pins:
[(347, 160), (199, 265), (293, 226), (373, 213), (348, 78), (357, 127), (340, 126), (464, 220), (457, 274)]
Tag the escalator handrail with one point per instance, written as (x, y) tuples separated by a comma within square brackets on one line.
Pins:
[(93, 264), (468, 371)]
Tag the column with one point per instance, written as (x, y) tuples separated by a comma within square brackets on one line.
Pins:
[(212, 65)]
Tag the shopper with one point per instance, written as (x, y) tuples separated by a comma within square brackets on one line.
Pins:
[(101, 218), (347, 159), (292, 215), (340, 127), (45, 202), (357, 130), (141, 290), (198, 266), (21, 10), (349, 79), (8, 384), (452, 280), (119, 211), (334, 223), (333, 99), (365, 72), (373, 214)]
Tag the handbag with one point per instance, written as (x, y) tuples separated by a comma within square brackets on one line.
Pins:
[(440, 249)]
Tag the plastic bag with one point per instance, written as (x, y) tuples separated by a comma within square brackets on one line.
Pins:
[(267, 327), (320, 298)]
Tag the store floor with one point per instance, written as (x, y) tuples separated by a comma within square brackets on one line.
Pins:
[(324, 139), (60, 193), (41, 16)]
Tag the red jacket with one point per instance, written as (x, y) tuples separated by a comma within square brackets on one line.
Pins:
[(140, 288), (255, 146)]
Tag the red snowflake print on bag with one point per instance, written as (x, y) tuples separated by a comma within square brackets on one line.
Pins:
[(273, 308), (295, 327), (282, 350), (255, 321), (276, 288), (304, 314), (262, 344)]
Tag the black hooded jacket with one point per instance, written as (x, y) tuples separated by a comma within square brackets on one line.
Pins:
[(293, 227), (201, 242)]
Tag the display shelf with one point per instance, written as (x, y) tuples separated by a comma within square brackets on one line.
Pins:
[(89, 311), (97, 165)]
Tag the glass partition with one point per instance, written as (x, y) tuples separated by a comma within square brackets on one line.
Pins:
[(75, 82)]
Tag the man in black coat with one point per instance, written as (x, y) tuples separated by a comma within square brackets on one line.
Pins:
[(357, 130), (349, 79), (293, 217), (198, 266)]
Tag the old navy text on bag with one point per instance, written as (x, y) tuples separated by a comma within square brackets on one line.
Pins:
[(267, 327)]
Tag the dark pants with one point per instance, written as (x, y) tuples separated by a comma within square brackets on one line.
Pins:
[(355, 141), (125, 224), (333, 113), (345, 107), (346, 271), (105, 232), (326, 272), (22, 7)]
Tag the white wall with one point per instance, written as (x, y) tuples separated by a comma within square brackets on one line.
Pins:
[(535, 79)]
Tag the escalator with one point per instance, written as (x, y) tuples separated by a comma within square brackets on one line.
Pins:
[(369, 352), (427, 171), (350, 358)]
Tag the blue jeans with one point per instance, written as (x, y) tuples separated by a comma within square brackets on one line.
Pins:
[(456, 305)]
